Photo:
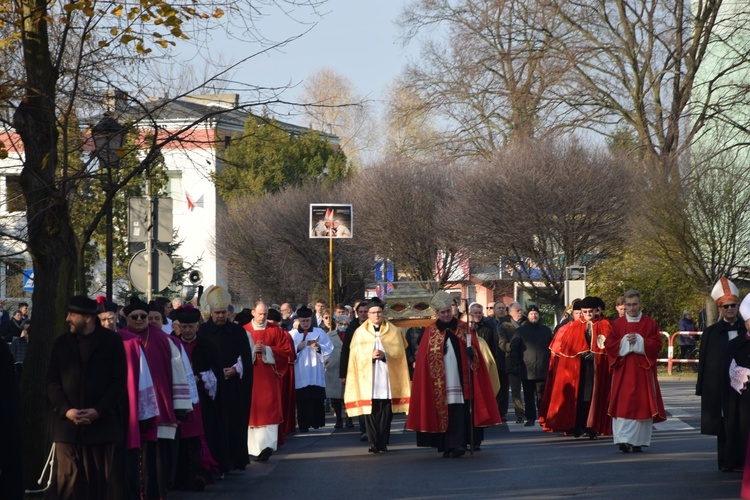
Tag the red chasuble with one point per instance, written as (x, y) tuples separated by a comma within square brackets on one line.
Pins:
[(266, 407), (599, 419), (558, 408), (635, 390), (428, 411)]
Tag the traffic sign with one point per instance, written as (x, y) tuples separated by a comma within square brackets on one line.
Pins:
[(139, 267)]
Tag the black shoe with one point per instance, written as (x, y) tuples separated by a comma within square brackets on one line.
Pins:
[(529, 423), (199, 484), (504, 420), (520, 420), (264, 455), (637, 449), (383, 449), (625, 448), (458, 452), (304, 430), (349, 423), (338, 426), (593, 435), (363, 437), (446, 454), (373, 449)]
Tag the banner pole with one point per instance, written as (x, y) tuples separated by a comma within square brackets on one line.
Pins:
[(330, 273)]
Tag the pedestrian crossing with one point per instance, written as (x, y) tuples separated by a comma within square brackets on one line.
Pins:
[(675, 422)]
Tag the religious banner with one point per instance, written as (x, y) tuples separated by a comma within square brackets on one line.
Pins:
[(330, 221)]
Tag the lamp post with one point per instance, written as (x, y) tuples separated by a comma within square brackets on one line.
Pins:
[(108, 137)]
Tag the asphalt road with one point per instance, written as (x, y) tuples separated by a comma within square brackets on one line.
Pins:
[(515, 462)]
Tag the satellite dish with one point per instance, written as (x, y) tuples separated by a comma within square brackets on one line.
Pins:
[(139, 267)]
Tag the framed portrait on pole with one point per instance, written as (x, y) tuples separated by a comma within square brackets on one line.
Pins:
[(330, 220)]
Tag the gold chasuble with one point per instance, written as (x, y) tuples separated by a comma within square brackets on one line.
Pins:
[(359, 378)]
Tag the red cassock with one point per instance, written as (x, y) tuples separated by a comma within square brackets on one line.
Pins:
[(635, 393), (266, 407), (599, 419), (289, 397), (428, 411), (558, 409)]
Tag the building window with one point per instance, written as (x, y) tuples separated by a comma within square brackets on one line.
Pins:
[(174, 184), (14, 201), (14, 277)]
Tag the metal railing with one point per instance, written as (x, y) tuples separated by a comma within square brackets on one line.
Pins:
[(669, 360)]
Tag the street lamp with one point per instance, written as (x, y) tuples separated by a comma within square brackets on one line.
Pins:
[(108, 137)]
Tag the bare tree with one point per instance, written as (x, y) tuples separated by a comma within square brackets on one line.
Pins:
[(404, 216), (334, 106), (666, 69), (703, 230), (270, 252), (545, 207), (492, 78), (410, 125)]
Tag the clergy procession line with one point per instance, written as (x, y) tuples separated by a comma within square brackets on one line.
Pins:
[(159, 399)]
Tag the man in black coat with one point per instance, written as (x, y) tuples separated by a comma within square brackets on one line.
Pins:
[(713, 374), (86, 381), (233, 345), (529, 358), (506, 330)]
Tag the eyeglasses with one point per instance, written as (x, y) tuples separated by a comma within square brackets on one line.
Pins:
[(136, 317), (727, 306)]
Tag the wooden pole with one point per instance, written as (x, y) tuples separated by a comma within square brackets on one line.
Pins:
[(330, 273)]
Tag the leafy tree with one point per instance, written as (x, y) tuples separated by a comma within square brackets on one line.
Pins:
[(268, 158)]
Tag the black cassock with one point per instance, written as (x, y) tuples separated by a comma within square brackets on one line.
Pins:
[(715, 392), (234, 405)]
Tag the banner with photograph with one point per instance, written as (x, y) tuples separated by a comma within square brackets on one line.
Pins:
[(330, 221)]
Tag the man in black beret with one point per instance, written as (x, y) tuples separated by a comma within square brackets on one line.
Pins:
[(86, 381), (106, 310)]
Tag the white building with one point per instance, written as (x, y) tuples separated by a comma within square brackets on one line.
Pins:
[(204, 122)]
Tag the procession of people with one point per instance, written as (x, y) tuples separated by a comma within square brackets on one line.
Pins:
[(138, 412)]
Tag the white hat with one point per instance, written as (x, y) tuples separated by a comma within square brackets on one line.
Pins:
[(441, 300), (216, 298), (745, 307), (725, 291)]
